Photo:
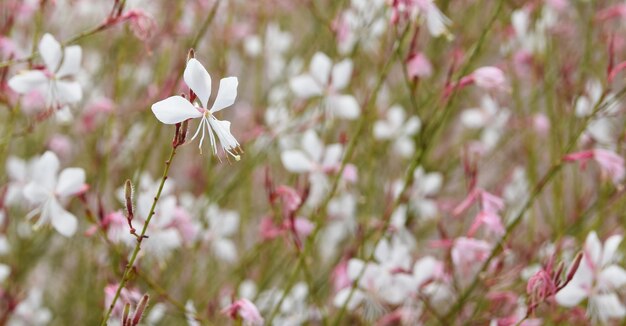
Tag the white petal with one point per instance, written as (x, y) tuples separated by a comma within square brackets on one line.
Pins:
[(16, 169), (398, 289), (342, 297), (305, 86), (50, 51), (62, 221), (383, 251), (570, 296), (355, 268), (71, 181), (5, 271), (332, 156), (320, 68), (68, 92), (396, 116), (436, 21), (199, 80), (226, 224), (225, 250), (412, 126), (296, 161), (36, 194), (27, 81), (614, 276), (341, 74), (593, 248), (174, 109), (610, 248), (71, 61), (609, 306), (312, 144), (45, 170), (344, 106), (404, 147), (424, 269), (473, 118), (383, 130), (226, 94)]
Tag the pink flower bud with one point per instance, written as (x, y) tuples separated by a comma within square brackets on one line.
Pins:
[(246, 310), (489, 78), (419, 66)]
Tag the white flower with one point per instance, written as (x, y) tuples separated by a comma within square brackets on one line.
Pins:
[(313, 156), (30, 311), (399, 129), (436, 22), (294, 309), (49, 191), (316, 159), (597, 279), (19, 172), (387, 280), (363, 22), (326, 79), (176, 109), (190, 313), (490, 117), (222, 225), (53, 81)]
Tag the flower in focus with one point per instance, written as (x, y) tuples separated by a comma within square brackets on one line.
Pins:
[(176, 109), (597, 279), (48, 190), (54, 79)]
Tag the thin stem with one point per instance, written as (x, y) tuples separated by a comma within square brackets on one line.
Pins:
[(142, 236)]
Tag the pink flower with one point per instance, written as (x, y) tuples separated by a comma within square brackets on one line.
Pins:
[(142, 24), (490, 206), (610, 163), (418, 66), (291, 199), (490, 78), (246, 310)]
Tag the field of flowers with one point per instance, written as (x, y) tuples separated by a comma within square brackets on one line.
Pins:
[(312, 162)]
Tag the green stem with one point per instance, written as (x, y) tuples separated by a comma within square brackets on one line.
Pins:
[(135, 253)]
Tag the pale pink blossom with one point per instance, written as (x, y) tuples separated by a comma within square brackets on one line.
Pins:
[(489, 78), (610, 163), (489, 214), (246, 310), (418, 66)]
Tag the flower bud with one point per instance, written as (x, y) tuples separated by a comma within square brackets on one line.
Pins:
[(128, 198), (141, 308)]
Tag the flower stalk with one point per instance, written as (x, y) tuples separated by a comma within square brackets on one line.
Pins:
[(140, 237)]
